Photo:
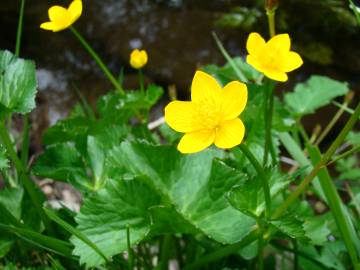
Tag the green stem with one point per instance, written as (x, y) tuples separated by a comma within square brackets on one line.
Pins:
[(29, 186), (25, 141), (268, 115), (296, 255), (238, 72), (19, 28), (223, 252), (26, 138), (141, 81), (260, 250), (345, 154), (326, 157), (130, 251), (270, 13), (331, 123), (300, 253), (165, 252), (262, 176), (98, 60)]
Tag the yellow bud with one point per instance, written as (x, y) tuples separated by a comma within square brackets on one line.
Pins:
[(138, 58)]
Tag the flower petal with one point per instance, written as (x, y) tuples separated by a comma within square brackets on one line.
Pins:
[(255, 44), (75, 9), (253, 61), (276, 75), (196, 141), (234, 98), (205, 89), (230, 134), (58, 13), (47, 26), (279, 43), (291, 61), (179, 115)]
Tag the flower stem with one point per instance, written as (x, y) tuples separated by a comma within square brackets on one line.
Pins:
[(324, 160), (25, 136), (25, 141), (260, 247), (270, 13), (268, 115), (98, 60), (141, 81), (29, 186), (165, 250), (262, 176), (130, 251), (19, 28)]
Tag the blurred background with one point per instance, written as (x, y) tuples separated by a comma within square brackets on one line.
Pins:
[(177, 36)]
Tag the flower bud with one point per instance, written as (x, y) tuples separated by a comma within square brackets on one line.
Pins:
[(138, 58)]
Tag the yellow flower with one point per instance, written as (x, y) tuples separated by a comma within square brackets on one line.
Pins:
[(138, 58), (273, 58), (211, 116), (61, 18)]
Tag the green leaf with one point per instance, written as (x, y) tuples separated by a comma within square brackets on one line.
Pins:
[(353, 138), (4, 162), (316, 230), (103, 219), (241, 17), (11, 199), (17, 83), (315, 93), (6, 243), (120, 108), (291, 226), (331, 255), (178, 193), (62, 162), (96, 157), (168, 220), (194, 184), (249, 197), (67, 130), (348, 168)]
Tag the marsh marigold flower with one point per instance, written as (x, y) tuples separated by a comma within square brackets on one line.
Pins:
[(273, 58), (61, 18), (138, 58), (211, 116)]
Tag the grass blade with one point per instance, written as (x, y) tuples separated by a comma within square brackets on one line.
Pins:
[(229, 59), (45, 242), (338, 209), (54, 217)]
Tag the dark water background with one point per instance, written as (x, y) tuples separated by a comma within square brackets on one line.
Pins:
[(177, 36)]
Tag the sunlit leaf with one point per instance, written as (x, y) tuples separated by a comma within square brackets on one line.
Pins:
[(17, 83), (313, 94)]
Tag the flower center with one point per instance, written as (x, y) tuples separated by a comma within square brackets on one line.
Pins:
[(208, 116)]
